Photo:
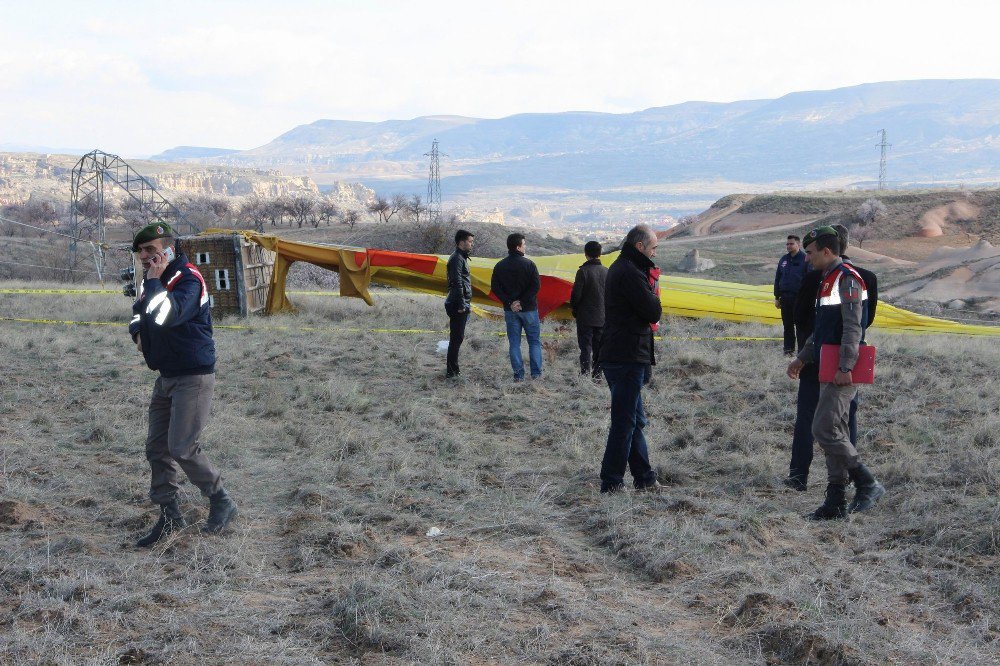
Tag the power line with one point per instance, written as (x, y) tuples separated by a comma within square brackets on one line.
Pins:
[(48, 231), (51, 268), (26, 242)]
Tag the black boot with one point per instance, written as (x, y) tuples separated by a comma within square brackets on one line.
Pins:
[(835, 505), (171, 520), (867, 489), (221, 512)]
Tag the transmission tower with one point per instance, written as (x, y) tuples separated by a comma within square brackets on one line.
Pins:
[(881, 164), (434, 183), (87, 199)]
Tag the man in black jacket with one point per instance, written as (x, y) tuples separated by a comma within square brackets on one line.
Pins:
[(172, 328), (587, 303), (787, 279), (808, 393), (516, 283), (458, 304), (630, 309)]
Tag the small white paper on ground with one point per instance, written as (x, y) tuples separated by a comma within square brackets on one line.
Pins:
[(434, 532), (442, 347)]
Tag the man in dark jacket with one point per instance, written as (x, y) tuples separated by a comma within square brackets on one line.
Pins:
[(458, 304), (587, 303), (808, 393), (172, 327), (630, 309), (787, 279), (516, 283)]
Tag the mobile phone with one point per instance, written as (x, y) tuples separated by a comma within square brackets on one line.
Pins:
[(169, 253)]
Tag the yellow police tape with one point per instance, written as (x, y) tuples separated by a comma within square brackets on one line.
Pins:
[(345, 329), (59, 291)]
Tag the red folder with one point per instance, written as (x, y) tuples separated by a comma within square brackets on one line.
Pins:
[(864, 369)]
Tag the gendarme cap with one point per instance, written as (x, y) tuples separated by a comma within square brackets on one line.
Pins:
[(816, 233), (151, 232)]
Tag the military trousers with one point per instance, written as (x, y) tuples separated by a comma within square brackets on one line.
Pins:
[(178, 413), (831, 429)]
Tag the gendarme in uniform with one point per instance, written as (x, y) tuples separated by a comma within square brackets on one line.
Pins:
[(172, 324), (841, 317)]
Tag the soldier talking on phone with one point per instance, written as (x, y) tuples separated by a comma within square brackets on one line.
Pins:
[(172, 327)]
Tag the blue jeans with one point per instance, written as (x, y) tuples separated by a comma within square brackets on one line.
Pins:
[(626, 441), (533, 329)]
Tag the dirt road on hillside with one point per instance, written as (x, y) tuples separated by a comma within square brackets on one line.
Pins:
[(736, 234)]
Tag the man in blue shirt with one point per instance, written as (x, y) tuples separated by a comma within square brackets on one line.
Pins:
[(787, 279)]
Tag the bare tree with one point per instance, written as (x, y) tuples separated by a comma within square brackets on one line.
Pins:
[(350, 218), (221, 207), (326, 210), (37, 213), (254, 210), (276, 209), (858, 234), (436, 235), (871, 211), (207, 211), (301, 207), (415, 207), (378, 207), (133, 214), (396, 204)]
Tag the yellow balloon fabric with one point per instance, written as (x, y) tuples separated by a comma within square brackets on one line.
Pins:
[(681, 296)]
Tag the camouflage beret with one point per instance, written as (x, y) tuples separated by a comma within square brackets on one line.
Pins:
[(816, 233), (151, 232)]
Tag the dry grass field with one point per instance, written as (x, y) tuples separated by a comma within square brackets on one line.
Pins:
[(344, 448)]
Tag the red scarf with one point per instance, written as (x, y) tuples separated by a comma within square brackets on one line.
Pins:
[(654, 282)]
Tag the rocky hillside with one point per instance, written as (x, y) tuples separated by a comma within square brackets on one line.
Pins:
[(905, 219), (27, 175), (934, 250)]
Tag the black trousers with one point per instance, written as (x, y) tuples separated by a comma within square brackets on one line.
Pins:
[(802, 440), (788, 320), (456, 334), (589, 339)]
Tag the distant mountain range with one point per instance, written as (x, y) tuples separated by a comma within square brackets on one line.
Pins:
[(940, 131)]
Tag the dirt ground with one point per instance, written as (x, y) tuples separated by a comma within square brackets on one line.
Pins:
[(344, 448)]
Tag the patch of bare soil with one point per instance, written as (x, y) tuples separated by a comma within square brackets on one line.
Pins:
[(14, 514), (795, 644), (937, 220)]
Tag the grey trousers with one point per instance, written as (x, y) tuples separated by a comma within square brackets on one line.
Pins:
[(178, 412), (831, 430)]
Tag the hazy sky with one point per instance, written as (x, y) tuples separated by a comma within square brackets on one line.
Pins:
[(139, 77)]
